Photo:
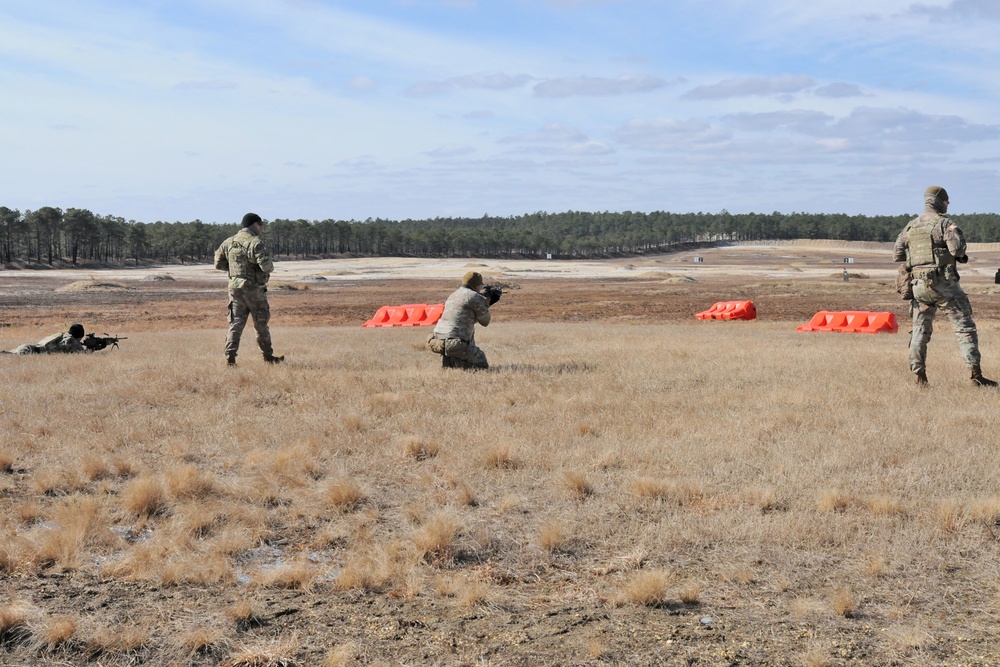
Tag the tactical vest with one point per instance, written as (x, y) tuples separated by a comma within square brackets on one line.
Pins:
[(920, 246), (239, 260), (242, 272)]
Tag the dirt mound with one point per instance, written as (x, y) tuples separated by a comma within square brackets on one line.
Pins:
[(159, 277), (94, 286)]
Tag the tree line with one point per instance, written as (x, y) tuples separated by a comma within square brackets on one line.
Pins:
[(51, 235)]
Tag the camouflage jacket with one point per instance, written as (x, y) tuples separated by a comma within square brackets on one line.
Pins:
[(462, 311), (946, 243), (246, 258)]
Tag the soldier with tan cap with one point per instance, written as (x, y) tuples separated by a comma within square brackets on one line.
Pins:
[(454, 334), (930, 245)]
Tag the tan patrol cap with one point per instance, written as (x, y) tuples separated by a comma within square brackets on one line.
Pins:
[(937, 192), (472, 279)]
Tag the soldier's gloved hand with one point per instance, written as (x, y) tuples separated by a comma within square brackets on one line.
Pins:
[(964, 259), (492, 294)]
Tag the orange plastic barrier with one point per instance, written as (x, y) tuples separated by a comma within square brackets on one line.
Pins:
[(729, 310), (410, 315), (852, 321)]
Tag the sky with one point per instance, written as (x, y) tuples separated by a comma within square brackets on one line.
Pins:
[(178, 110)]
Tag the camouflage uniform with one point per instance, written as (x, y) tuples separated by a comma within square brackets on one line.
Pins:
[(930, 245), (60, 342), (249, 265), (454, 335)]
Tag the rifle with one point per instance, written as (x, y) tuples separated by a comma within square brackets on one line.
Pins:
[(95, 343), (492, 293)]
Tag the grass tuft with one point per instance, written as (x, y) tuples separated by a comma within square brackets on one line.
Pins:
[(648, 587), (577, 484), (501, 456), (844, 602), (145, 497), (435, 539), (419, 449), (344, 494)]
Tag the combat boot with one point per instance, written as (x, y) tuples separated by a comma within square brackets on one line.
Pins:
[(447, 362), (230, 359), (978, 380), (921, 378), (271, 359)]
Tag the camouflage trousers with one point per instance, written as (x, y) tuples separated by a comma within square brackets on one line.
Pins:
[(28, 348), (245, 303), (457, 353), (930, 294)]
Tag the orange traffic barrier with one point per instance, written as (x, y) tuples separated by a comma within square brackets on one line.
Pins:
[(729, 310), (410, 315), (852, 321)]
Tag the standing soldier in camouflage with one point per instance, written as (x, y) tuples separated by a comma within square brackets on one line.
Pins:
[(930, 245), (454, 335), (249, 265)]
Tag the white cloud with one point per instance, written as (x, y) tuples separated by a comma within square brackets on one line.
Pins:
[(749, 86), (798, 120), (497, 81), (451, 150), (591, 86), (551, 133), (669, 134), (361, 84), (959, 10), (840, 89)]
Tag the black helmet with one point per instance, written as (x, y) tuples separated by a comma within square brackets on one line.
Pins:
[(76, 331)]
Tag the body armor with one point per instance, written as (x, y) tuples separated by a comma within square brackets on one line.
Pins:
[(920, 249)]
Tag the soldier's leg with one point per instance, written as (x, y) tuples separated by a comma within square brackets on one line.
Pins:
[(476, 358), (237, 317), (923, 328), (959, 311), (261, 313), (466, 355)]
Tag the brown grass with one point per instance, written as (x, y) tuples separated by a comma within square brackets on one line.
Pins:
[(14, 617), (577, 484), (553, 536), (345, 494), (145, 496), (264, 653), (845, 602), (55, 632), (435, 539), (648, 587), (672, 470)]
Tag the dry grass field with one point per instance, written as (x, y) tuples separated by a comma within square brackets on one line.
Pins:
[(627, 485)]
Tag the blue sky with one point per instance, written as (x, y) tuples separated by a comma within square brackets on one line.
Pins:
[(178, 110)]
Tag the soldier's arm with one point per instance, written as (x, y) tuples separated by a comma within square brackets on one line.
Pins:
[(954, 239), (262, 256), (221, 261), (480, 306), (899, 250)]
